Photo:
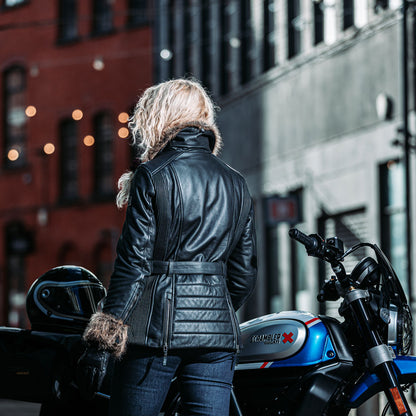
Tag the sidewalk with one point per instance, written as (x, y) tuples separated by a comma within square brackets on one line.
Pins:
[(16, 408)]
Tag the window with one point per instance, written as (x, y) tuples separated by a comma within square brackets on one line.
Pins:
[(294, 27), (104, 159), (68, 24), (226, 10), (102, 22), (14, 117), (348, 14), (272, 285), (269, 35), (206, 44), (13, 3), (137, 13), (285, 265), (171, 39), (187, 37), (318, 13), (393, 217), (381, 4), (246, 36), (68, 161), (19, 243)]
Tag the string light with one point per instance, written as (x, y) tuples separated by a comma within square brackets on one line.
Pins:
[(30, 111), (123, 132), (123, 117), (89, 140), (98, 64), (49, 148), (166, 54), (77, 114), (13, 155)]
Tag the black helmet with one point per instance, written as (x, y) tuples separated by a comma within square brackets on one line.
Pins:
[(63, 299)]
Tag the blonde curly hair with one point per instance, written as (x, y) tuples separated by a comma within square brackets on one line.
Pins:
[(160, 113)]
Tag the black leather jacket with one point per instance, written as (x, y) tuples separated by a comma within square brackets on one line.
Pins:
[(186, 259)]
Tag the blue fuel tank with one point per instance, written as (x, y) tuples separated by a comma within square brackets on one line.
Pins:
[(285, 339)]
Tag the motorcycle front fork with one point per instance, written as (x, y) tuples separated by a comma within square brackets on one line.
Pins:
[(379, 356)]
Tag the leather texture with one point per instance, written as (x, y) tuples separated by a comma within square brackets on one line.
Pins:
[(91, 370), (185, 205)]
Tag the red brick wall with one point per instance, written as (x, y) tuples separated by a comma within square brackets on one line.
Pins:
[(65, 80)]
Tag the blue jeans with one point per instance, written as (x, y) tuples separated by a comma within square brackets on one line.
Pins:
[(141, 382)]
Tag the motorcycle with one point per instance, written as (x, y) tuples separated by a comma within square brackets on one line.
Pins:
[(297, 363), (292, 362)]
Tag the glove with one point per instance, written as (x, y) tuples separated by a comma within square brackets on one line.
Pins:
[(91, 370)]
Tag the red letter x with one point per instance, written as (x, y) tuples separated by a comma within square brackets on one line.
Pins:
[(287, 337)]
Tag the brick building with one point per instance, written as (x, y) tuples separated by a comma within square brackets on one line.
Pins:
[(70, 72)]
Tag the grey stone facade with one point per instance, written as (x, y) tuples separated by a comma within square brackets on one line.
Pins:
[(307, 124)]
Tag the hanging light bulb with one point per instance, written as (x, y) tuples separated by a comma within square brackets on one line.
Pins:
[(98, 63), (77, 114), (123, 117), (49, 148), (13, 155), (30, 111), (89, 140), (123, 133)]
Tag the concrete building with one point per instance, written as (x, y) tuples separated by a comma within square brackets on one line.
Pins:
[(311, 101), (70, 71)]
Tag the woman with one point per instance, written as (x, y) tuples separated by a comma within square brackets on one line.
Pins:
[(186, 261)]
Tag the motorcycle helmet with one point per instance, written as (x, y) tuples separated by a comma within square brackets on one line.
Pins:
[(63, 299)]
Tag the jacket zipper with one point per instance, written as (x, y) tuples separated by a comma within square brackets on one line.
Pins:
[(233, 322), (149, 317), (166, 324)]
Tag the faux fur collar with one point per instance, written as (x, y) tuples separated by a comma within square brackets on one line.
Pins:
[(172, 133)]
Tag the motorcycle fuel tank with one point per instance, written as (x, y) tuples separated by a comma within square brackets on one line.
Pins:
[(285, 339)]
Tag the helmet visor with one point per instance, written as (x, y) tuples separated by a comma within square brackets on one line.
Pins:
[(68, 300)]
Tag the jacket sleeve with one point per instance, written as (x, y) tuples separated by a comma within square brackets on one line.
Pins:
[(242, 264), (134, 250)]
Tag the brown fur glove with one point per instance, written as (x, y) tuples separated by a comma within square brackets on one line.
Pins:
[(107, 333)]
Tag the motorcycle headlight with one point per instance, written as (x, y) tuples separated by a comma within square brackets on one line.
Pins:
[(400, 329)]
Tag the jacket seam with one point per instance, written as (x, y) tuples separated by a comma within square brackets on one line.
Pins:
[(179, 239), (174, 156)]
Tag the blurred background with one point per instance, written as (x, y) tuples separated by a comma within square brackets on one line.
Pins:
[(316, 98)]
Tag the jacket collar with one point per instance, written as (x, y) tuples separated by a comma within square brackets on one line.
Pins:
[(193, 135), (193, 138)]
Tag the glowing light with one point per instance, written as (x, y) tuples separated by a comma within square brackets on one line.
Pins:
[(98, 64), (235, 42), (13, 155), (89, 140), (391, 164), (77, 114), (49, 148), (30, 110), (166, 54), (123, 133), (123, 117)]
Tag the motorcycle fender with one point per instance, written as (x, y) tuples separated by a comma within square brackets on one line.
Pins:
[(369, 384)]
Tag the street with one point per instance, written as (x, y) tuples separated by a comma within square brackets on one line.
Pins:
[(17, 408)]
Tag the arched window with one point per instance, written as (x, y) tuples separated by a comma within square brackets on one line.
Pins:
[(68, 21), (19, 243), (68, 161), (137, 13), (104, 156), (14, 117), (102, 22)]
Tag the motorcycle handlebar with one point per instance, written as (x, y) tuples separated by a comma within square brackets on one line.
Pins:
[(310, 243)]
